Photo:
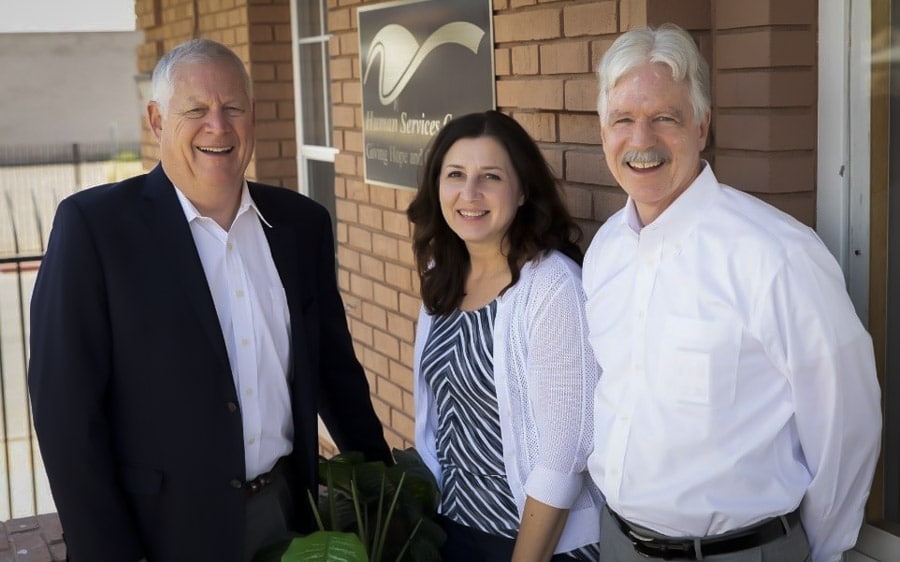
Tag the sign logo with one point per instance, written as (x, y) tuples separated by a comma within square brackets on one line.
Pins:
[(401, 55), (422, 62)]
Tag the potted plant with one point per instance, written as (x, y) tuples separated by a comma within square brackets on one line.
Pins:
[(369, 512)]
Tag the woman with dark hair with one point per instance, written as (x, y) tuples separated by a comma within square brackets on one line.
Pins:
[(504, 375)]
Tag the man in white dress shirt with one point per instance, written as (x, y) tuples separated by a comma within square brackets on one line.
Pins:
[(738, 413)]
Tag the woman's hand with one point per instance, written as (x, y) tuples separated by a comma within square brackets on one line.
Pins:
[(539, 532)]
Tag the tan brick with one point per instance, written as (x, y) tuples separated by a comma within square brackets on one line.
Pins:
[(608, 200), (401, 326), (353, 141), (409, 305), (387, 344), (401, 374), (584, 167), (536, 94), (351, 92), (791, 129), (396, 222), (385, 297), (342, 116), (801, 206), (404, 197), (513, 4), (502, 62), (345, 164), (348, 258), (357, 190), (766, 88), (579, 201), (579, 128), (374, 316), (406, 353), (359, 238), (525, 59), (390, 392), (361, 286), (403, 424), (689, 14), (339, 20), (405, 252), (398, 276), (768, 48), (541, 126), (581, 94), (362, 332), (739, 13), (554, 157), (346, 211), (565, 58), (384, 246), (372, 267), (370, 217), (532, 25), (383, 196), (341, 68), (349, 43), (768, 172), (596, 18)]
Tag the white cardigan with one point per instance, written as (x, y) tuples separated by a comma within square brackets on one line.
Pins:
[(545, 374)]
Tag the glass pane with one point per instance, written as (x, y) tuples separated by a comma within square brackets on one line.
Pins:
[(313, 98), (309, 18), (321, 184)]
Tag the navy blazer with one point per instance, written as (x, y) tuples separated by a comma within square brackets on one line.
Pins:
[(133, 397)]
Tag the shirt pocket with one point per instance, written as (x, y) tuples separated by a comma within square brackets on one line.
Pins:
[(698, 361)]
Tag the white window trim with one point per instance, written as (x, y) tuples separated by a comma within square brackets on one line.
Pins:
[(842, 196), (306, 152)]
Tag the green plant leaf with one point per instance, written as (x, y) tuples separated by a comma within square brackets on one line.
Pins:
[(325, 546)]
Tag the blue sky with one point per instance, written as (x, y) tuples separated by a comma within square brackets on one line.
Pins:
[(66, 15)]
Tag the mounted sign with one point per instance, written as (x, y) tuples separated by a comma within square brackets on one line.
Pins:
[(423, 62)]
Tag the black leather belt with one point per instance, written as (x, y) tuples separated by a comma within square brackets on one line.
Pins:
[(259, 483), (696, 549)]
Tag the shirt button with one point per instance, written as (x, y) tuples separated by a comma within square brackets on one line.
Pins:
[(249, 392), (245, 341), (239, 294), (230, 246), (232, 407), (251, 441), (235, 483)]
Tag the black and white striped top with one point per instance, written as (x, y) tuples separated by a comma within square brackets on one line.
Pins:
[(458, 365)]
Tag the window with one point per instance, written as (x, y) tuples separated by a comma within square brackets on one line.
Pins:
[(315, 154)]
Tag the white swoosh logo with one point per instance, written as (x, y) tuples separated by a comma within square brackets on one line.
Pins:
[(401, 54)]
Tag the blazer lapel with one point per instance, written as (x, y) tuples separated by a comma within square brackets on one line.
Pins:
[(165, 218)]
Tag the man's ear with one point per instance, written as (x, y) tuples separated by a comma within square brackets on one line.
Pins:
[(704, 130), (154, 119)]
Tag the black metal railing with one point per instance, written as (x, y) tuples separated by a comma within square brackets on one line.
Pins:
[(32, 182)]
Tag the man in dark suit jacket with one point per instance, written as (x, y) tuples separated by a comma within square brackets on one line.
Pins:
[(186, 329)]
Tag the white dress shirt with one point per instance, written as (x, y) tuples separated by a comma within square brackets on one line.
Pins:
[(544, 372), (252, 308), (738, 382)]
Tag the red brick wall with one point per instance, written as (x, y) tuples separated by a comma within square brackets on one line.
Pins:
[(762, 56), (259, 31)]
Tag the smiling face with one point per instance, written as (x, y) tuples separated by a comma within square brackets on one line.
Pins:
[(651, 138), (479, 192), (206, 131)]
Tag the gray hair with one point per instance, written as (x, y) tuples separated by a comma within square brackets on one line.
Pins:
[(192, 52), (668, 44)]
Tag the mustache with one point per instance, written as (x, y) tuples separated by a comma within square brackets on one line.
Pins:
[(645, 156)]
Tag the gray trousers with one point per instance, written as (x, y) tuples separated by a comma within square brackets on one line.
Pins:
[(270, 514), (793, 547)]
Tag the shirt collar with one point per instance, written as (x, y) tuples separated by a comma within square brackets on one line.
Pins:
[(684, 211), (191, 213)]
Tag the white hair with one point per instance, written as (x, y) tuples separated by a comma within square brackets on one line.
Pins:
[(192, 52), (668, 44)]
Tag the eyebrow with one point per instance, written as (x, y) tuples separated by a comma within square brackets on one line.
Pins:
[(501, 168), (674, 111)]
